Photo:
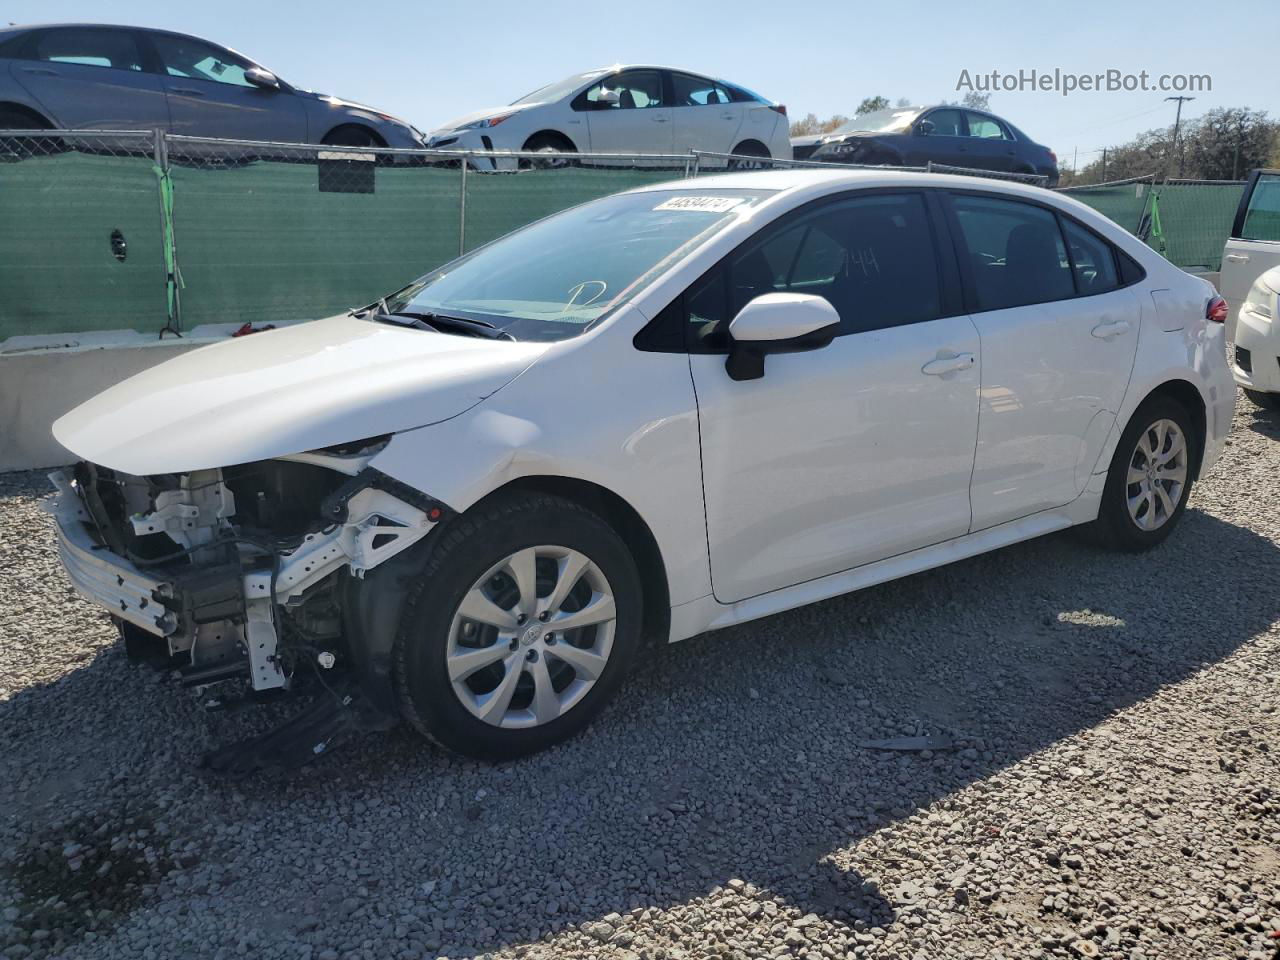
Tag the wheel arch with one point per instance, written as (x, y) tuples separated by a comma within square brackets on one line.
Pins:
[(626, 520), (41, 121), (378, 139), (752, 142), (555, 135), (1188, 396)]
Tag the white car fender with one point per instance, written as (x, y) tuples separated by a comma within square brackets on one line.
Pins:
[(642, 411)]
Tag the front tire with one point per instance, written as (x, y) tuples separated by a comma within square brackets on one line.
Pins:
[(521, 628), (1267, 401), (1150, 479)]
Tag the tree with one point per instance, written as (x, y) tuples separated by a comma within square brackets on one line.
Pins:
[(902, 102), (1226, 143), (872, 104), (977, 101), (810, 124)]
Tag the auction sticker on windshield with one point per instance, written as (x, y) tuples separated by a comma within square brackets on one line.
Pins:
[(701, 204)]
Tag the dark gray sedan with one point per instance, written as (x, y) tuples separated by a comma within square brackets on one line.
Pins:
[(914, 136), (93, 76)]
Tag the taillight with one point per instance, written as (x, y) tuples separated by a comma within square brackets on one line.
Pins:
[(780, 108), (1216, 311), (1053, 156)]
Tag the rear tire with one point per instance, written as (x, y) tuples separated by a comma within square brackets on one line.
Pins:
[(1268, 401), (1150, 478), (481, 666)]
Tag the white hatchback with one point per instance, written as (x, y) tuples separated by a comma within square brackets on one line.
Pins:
[(628, 110), (659, 413)]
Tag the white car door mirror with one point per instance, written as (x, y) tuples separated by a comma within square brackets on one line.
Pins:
[(778, 323), (608, 98)]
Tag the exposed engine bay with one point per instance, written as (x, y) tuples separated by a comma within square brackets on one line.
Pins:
[(251, 573)]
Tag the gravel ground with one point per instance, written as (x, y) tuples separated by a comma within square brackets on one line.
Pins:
[(1111, 788)]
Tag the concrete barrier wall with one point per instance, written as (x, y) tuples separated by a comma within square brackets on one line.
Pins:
[(41, 378)]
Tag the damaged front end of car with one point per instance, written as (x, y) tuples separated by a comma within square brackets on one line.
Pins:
[(263, 577)]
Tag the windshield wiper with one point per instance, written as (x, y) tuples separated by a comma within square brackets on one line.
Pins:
[(445, 324)]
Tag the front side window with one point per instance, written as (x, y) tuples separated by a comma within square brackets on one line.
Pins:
[(693, 91), (1262, 218), (1015, 250), (946, 123), (115, 49), (1092, 259), (985, 128), (871, 257), (554, 278), (197, 60), (636, 89)]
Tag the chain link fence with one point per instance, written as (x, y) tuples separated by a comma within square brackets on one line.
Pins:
[(155, 232)]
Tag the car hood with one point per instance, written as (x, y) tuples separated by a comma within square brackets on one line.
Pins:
[(287, 391), (463, 120)]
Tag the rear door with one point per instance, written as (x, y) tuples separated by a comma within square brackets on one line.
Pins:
[(1059, 335), (640, 120), (703, 116), (209, 96), (91, 77), (990, 145), (1254, 245)]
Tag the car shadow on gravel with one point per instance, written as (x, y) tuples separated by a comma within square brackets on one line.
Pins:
[(732, 763)]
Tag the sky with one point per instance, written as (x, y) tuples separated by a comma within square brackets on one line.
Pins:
[(430, 62)]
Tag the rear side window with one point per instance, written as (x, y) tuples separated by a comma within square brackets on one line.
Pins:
[(1015, 251), (691, 91), (986, 128), (871, 257), (1262, 218), (1092, 260), (114, 49)]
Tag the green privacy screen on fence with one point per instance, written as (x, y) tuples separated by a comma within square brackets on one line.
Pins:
[(59, 269), (260, 242), (271, 233)]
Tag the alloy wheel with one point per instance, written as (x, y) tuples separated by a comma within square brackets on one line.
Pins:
[(531, 637), (1157, 477)]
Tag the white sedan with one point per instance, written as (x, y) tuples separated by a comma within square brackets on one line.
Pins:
[(660, 413), (628, 110)]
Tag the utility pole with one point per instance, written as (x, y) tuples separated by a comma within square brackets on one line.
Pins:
[(1177, 121), (1104, 164)]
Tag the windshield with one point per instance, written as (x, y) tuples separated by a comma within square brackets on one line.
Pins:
[(554, 278), (562, 88), (881, 121)]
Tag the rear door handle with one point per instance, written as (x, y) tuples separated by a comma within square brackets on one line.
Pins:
[(659, 119), (1112, 328), (944, 365), (1237, 257)]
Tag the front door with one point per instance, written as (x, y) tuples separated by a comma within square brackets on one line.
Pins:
[(210, 97), (1254, 246), (848, 454), (639, 121), (1059, 337), (946, 142)]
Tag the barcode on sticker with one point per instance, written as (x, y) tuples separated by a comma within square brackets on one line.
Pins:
[(700, 204)]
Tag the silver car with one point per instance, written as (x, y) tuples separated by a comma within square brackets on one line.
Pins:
[(94, 76)]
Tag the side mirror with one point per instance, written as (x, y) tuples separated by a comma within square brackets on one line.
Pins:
[(264, 79), (778, 323), (608, 98), (925, 127)]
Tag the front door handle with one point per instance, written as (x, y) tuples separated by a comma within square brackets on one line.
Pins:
[(1237, 257), (1111, 328), (188, 91), (40, 71), (944, 365), (659, 119)]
